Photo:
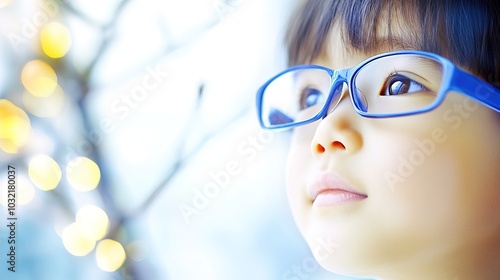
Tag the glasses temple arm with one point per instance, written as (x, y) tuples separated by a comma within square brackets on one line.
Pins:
[(476, 89)]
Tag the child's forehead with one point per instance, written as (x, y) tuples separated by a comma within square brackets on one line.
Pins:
[(387, 36)]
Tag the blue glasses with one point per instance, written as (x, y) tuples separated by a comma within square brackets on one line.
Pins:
[(393, 84)]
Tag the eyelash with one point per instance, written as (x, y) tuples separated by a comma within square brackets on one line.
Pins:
[(392, 77)]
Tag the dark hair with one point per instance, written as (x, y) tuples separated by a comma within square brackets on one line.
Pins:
[(465, 31)]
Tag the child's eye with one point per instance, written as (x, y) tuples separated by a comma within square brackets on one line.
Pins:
[(309, 97), (397, 84)]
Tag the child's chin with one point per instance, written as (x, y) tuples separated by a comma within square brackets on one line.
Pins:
[(346, 263)]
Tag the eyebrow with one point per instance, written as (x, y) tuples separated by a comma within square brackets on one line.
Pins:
[(396, 43), (431, 63)]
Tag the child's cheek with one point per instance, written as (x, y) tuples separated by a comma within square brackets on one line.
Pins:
[(298, 165), (437, 178)]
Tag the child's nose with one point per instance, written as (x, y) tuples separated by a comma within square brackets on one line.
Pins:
[(336, 132)]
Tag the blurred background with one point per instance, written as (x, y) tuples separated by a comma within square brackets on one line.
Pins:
[(132, 128)]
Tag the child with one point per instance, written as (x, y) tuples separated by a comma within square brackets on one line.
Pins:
[(395, 158)]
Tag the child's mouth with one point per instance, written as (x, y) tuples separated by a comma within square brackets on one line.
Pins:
[(335, 197), (329, 189)]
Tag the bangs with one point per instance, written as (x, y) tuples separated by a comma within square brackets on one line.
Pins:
[(464, 31), (307, 37)]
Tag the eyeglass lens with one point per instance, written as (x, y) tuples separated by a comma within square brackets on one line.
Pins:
[(385, 86)]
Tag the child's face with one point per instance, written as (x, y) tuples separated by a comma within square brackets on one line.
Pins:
[(430, 180)]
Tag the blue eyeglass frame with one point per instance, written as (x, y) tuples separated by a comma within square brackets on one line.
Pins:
[(453, 79)]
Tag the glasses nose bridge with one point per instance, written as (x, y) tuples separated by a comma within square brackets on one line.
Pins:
[(338, 80)]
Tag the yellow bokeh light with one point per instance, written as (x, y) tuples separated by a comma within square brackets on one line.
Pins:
[(55, 39), (110, 255), (5, 3), (47, 106), (44, 172), (83, 174), (15, 127), (76, 242), (39, 78), (93, 221)]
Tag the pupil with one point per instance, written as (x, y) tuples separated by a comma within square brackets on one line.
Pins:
[(313, 98), (399, 87)]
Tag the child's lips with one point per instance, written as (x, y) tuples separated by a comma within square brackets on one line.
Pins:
[(329, 189)]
